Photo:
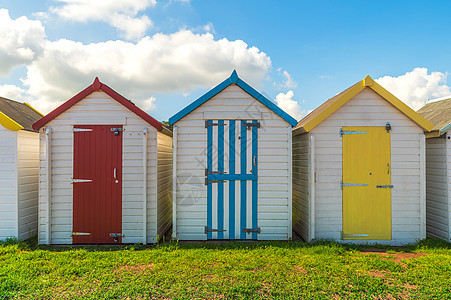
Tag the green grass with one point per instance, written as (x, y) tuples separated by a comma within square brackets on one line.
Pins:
[(266, 270)]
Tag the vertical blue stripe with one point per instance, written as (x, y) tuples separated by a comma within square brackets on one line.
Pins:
[(254, 182), (220, 184), (209, 168), (243, 182), (232, 162)]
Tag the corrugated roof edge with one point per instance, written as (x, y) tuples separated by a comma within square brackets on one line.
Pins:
[(233, 79), (94, 87)]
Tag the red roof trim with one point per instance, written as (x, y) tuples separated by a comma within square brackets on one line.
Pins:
[(97, 86)]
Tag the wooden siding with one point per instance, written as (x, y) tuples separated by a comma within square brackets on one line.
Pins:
[(369, 109), (448, 150), (164, 184), (97, 109), (437, 188), (301, 185), (28, 183), (273, 148), (8, 183)]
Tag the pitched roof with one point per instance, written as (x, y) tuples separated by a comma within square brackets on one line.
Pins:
[(438, 112), (330, 106), (17, 116), (233, 79), (94, 87)]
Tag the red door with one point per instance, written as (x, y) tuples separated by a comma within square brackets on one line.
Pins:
[(97, 184)]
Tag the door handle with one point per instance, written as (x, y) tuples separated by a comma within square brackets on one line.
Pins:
[(255, 161), (115, 177), (388, 168)]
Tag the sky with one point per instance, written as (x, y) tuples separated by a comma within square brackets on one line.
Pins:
[(163, 55)]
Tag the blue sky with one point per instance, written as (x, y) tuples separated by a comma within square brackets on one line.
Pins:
[(165, 54)]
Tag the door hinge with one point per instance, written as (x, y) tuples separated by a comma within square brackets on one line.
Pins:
[(350, 235), (384, 186), (82, 129), (249, 124), (116, 236), (81, 180), (213, 172), (80, 233), (343, 184), (343, 132), (250, 230), (213, 230), (207, 181), (117, 129), (207, 124)]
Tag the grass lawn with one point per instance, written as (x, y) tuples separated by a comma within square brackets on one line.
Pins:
[(266, 270)]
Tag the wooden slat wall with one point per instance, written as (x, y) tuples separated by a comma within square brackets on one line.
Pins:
[(301, 184), (273, 214), (368, 109), (436, 188), (28, 183), (101, 109), (164, 184), (8, 183), (448, 150)]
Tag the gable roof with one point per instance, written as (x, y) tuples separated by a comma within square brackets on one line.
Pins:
[(233, 79), (94, 87), (17, 116), (438, 112), (330, 106)]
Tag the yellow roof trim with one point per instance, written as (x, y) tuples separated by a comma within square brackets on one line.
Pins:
[(9, 123), (357, 88), (38, 112)]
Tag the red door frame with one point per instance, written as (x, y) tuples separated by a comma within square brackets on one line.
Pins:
[(97, 204)]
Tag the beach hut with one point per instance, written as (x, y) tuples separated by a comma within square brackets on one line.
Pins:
[(438, 168), (19, 172), (105, 171), (232, 164), (359, 169)]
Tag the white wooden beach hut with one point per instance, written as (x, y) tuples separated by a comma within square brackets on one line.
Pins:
[(19, 160), (438, 168), (359, 169), (105, 171), (232, 164)]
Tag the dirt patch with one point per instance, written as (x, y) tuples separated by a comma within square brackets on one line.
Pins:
[(135, 269), (377, 273), (396, 257), (300, 270)]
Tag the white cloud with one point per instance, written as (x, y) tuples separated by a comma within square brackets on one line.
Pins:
[(149, 104), (415, 87), (20, 41), (175, 63), (122, 14), (290, 106), (288, 83), (14, 92)]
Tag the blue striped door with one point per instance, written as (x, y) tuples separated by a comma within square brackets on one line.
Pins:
[(232, 179)]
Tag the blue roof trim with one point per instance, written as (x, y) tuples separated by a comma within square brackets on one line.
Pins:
[(445, 129), (251, 91)]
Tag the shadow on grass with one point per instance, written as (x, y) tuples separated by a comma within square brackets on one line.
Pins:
[(429, 243)]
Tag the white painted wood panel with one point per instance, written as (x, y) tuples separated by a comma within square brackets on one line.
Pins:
[(8, 183), (368, 109), (448, 175), (97, 106), (273, 152)]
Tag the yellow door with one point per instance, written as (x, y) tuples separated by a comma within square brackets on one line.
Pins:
[(366, 183)]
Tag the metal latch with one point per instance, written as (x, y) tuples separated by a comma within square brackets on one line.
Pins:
[(213, 172), (343, 184), (117, 129), (384, 186), (250, 230), (213, 230), (207, 181), (81, 180), (116, 236), (343, 132), (249, 125), (80, 233), (82, 129), (207, 124)]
